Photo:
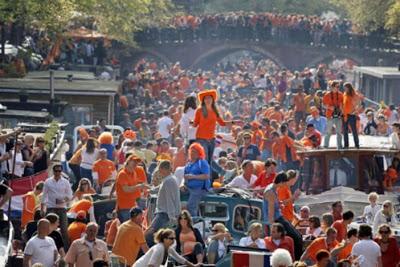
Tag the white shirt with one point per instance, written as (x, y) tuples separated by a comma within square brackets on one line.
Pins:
[(179, 175), (241, 182), (89, 158), (394, 140), (381, 218), (369, 252), (341, 177), (186, 130), (247, 241), (41, 250), (53, 190), (164, 124), (370, 212), (19, 164), (155, 255)]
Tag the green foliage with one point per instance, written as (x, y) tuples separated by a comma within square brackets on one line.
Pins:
[(115, 18), (308, 7), (50, 133), (372, 14)]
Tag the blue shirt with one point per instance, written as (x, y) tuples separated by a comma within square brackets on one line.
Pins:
[(200, 166), (251, 154), (319, 124)]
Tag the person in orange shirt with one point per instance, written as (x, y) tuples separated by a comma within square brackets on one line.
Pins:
[(277, 114), (130, 238), (343, 250), (341, 225), (299, 103), (128, 187), (284, 151), (285, 196), (257, 136), (328, 243), (205, 119), (85, 204), (78, 227), (31, 202), (103, 169), (333, 102), (111, 228), (350, 106)]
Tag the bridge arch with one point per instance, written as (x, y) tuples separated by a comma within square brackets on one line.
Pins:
[(332, 56), (215, 54), (143, 53)]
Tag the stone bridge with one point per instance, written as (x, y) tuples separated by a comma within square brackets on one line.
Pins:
[(206, 53)]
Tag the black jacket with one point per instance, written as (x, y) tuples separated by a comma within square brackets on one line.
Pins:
[(197, 234)]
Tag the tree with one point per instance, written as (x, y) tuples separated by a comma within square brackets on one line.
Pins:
[(307, 7), (371, 15)]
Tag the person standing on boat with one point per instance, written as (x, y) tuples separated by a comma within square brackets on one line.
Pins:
[(57, 193), (205, 119), (333, 102), (351, 103), (197, 177), (31, 202), (272, 213), (40, 156)]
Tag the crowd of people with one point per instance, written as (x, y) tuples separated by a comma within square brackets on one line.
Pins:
[(293, 28), (193, 133)]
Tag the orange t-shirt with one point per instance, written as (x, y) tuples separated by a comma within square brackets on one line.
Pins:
[(288, 210), (112, 232), (29, 205), (332, 99), (345, 252), (104, 169), (127, 243), (257, 138), (299, 102), (206, 126), (126, 200), (340, 229), (317, 245), (75, 230), (83, 204)]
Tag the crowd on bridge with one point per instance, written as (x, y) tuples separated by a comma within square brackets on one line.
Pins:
[(259, 27)]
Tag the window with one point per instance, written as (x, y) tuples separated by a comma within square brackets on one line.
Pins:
[(243, 216), (213, 210)]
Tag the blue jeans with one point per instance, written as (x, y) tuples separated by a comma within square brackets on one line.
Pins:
[(352, 121), (159, 221), (329, 126), (124, 215), (86, 173), (194, 199), (208, 146)]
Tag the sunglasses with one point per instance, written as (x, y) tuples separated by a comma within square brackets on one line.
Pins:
[(386, 206), (171, 238), (384, 232), (84, 184), (57, 171), (246, 137)]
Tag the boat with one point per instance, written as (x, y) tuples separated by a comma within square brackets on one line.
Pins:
[(6, 237)]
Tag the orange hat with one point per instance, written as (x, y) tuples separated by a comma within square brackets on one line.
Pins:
[(212, 93), (81, 215), (134, 157), (129, 134), (105, 138)]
